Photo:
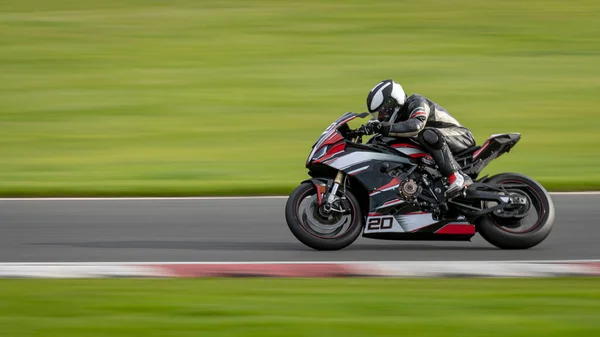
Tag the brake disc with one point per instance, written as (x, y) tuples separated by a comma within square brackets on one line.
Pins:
[(323, 225)]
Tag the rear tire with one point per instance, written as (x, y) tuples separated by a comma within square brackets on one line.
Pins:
[(505, 233), (311, 234)]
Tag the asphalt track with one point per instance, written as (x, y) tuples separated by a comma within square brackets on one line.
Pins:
[(222, 230)]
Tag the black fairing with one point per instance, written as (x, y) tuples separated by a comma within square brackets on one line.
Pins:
[(373, 177), (374, 172), (381, 173)]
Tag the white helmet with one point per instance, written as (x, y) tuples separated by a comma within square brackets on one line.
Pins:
[(386, 98)]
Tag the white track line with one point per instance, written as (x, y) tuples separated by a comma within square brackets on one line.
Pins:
[(287, 262), (208, 198), (576, 193)]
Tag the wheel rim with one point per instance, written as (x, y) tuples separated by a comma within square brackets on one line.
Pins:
[(331, 227), (529, 222)]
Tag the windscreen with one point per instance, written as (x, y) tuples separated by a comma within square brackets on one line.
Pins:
[(342, 119)]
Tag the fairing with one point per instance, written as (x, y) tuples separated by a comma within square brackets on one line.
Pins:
[(389, 215), (331, 135)]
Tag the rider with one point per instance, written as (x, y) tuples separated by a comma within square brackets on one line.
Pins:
[(441, 134)]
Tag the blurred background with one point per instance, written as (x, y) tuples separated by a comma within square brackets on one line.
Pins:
[(141, 97), (195, 97)]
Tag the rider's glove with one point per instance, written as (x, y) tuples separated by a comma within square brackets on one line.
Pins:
[(373, 126)]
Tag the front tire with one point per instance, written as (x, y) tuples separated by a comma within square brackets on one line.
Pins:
[(514, 233), (316, 231)]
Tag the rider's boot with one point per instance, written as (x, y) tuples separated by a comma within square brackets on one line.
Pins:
[(457, 181), (448, 166), (436, 144)]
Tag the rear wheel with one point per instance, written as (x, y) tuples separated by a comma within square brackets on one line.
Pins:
[(318, 229), (523, 226)]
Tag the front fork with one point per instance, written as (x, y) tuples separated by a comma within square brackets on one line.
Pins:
[(339, 177), (331, 195)]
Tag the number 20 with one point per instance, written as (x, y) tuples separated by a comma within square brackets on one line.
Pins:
[(380, 223)]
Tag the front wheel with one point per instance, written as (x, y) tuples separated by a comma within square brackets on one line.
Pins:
[(320, 230), (524, 228)]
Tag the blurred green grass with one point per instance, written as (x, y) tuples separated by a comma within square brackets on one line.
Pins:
[(301, 307), (139, 97)]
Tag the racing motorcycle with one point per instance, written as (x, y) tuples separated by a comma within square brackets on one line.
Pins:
[(391, 189)]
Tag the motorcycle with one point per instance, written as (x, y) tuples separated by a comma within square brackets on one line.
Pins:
[(390, 189)]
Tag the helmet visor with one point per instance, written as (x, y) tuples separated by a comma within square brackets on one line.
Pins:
[(386, 109)]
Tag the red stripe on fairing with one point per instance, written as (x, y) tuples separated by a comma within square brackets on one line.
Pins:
[(334, 138), (391, 202), (456, 229), (406, 145), (332, 152), (419, 155), (337, 148), (476, 153)]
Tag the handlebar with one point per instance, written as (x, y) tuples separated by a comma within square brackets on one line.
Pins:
[(357, 133)]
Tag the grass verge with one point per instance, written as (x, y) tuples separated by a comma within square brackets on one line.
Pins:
[(301, 307)]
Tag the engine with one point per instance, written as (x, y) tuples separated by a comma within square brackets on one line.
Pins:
[(409, 189)]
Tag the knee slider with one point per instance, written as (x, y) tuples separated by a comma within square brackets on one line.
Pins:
[(432, 137)]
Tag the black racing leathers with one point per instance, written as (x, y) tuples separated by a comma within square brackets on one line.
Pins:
[(419, 112), (435, 129)]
